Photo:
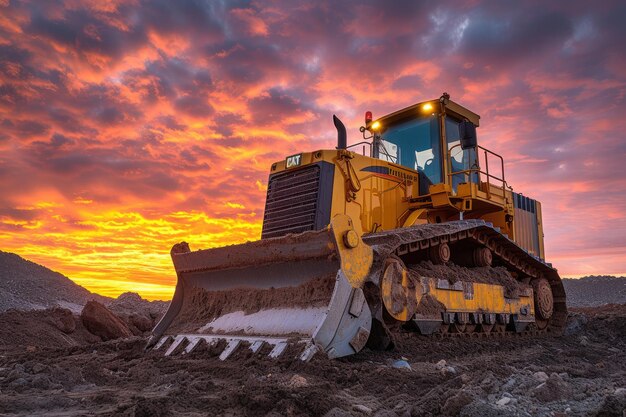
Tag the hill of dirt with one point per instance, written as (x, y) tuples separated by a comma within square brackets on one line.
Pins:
[(40, 308), (595, 290), (25, 285)]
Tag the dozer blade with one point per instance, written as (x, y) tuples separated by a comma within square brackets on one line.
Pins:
[(303, 290)]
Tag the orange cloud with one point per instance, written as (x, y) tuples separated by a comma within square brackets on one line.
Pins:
[(130, 126)]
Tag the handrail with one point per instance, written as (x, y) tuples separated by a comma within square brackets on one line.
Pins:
[(478, 170), (362, 143)]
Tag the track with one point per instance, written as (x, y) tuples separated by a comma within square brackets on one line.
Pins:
[(416, 242)]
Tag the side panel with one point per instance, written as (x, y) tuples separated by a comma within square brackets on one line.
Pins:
[(385, 189), (527, 224), (542, 253)]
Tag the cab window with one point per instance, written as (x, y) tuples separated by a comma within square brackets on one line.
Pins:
[(461, 160), (414, 144)]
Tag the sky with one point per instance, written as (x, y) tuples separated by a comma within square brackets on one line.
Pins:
[(127, 125)]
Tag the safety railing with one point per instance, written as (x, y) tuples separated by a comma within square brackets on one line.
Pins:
[(364, 145), (382, 151), (489, 176)]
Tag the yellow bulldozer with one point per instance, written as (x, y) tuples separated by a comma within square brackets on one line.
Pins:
[(412, 229)]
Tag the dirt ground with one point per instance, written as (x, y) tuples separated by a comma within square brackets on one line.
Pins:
[(580, 374)]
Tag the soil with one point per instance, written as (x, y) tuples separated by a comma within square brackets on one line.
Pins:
[(487, 275), (52, 328), (582, 373), (202, 306)]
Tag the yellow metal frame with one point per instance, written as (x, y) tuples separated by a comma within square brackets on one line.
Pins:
[(485, 298), (381, 195)]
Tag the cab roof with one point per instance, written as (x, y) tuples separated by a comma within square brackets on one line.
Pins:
[(451, 108)]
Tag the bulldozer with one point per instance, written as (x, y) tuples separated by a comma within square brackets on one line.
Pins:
[(413, 229)]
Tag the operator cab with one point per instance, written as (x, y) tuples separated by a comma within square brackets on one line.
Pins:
[(421, 136)]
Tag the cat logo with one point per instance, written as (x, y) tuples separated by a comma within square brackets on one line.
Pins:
[(294, 161)]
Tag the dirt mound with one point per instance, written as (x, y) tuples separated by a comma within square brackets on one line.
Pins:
[(140, 315), (131, 302), (25, 285), (580, 374), (51, 328), (595, 291), (58, 328), (100, 321)]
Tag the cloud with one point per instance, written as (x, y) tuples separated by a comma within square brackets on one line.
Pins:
[(165, 116)]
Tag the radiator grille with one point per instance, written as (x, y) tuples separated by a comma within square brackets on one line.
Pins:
[(291, 204)]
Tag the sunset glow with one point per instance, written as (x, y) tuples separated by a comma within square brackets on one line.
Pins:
[(128, 126)]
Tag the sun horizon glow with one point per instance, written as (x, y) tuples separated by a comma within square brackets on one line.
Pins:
[(131, 126)]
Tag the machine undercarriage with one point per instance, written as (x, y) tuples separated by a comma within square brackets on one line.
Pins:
[(420, 279)]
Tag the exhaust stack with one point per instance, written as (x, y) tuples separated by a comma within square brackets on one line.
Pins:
[(342, 140)]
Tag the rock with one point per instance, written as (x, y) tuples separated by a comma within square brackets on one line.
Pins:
[(362, 409), (62, 319), (553, 389), (297, 381), (575, 323), (19, 384), (510, 383), (401, 364), (40, 381), (540, 376), (101, 322), (456, 403), (400, 406), (503, 401), (620, 391), (38, 368), (141, 322), (489, 384), (442, 365), (583, 340), (612, 406)]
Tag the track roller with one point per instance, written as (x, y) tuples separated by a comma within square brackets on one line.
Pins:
[(544, 302), (439, 254), (482, 256)]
